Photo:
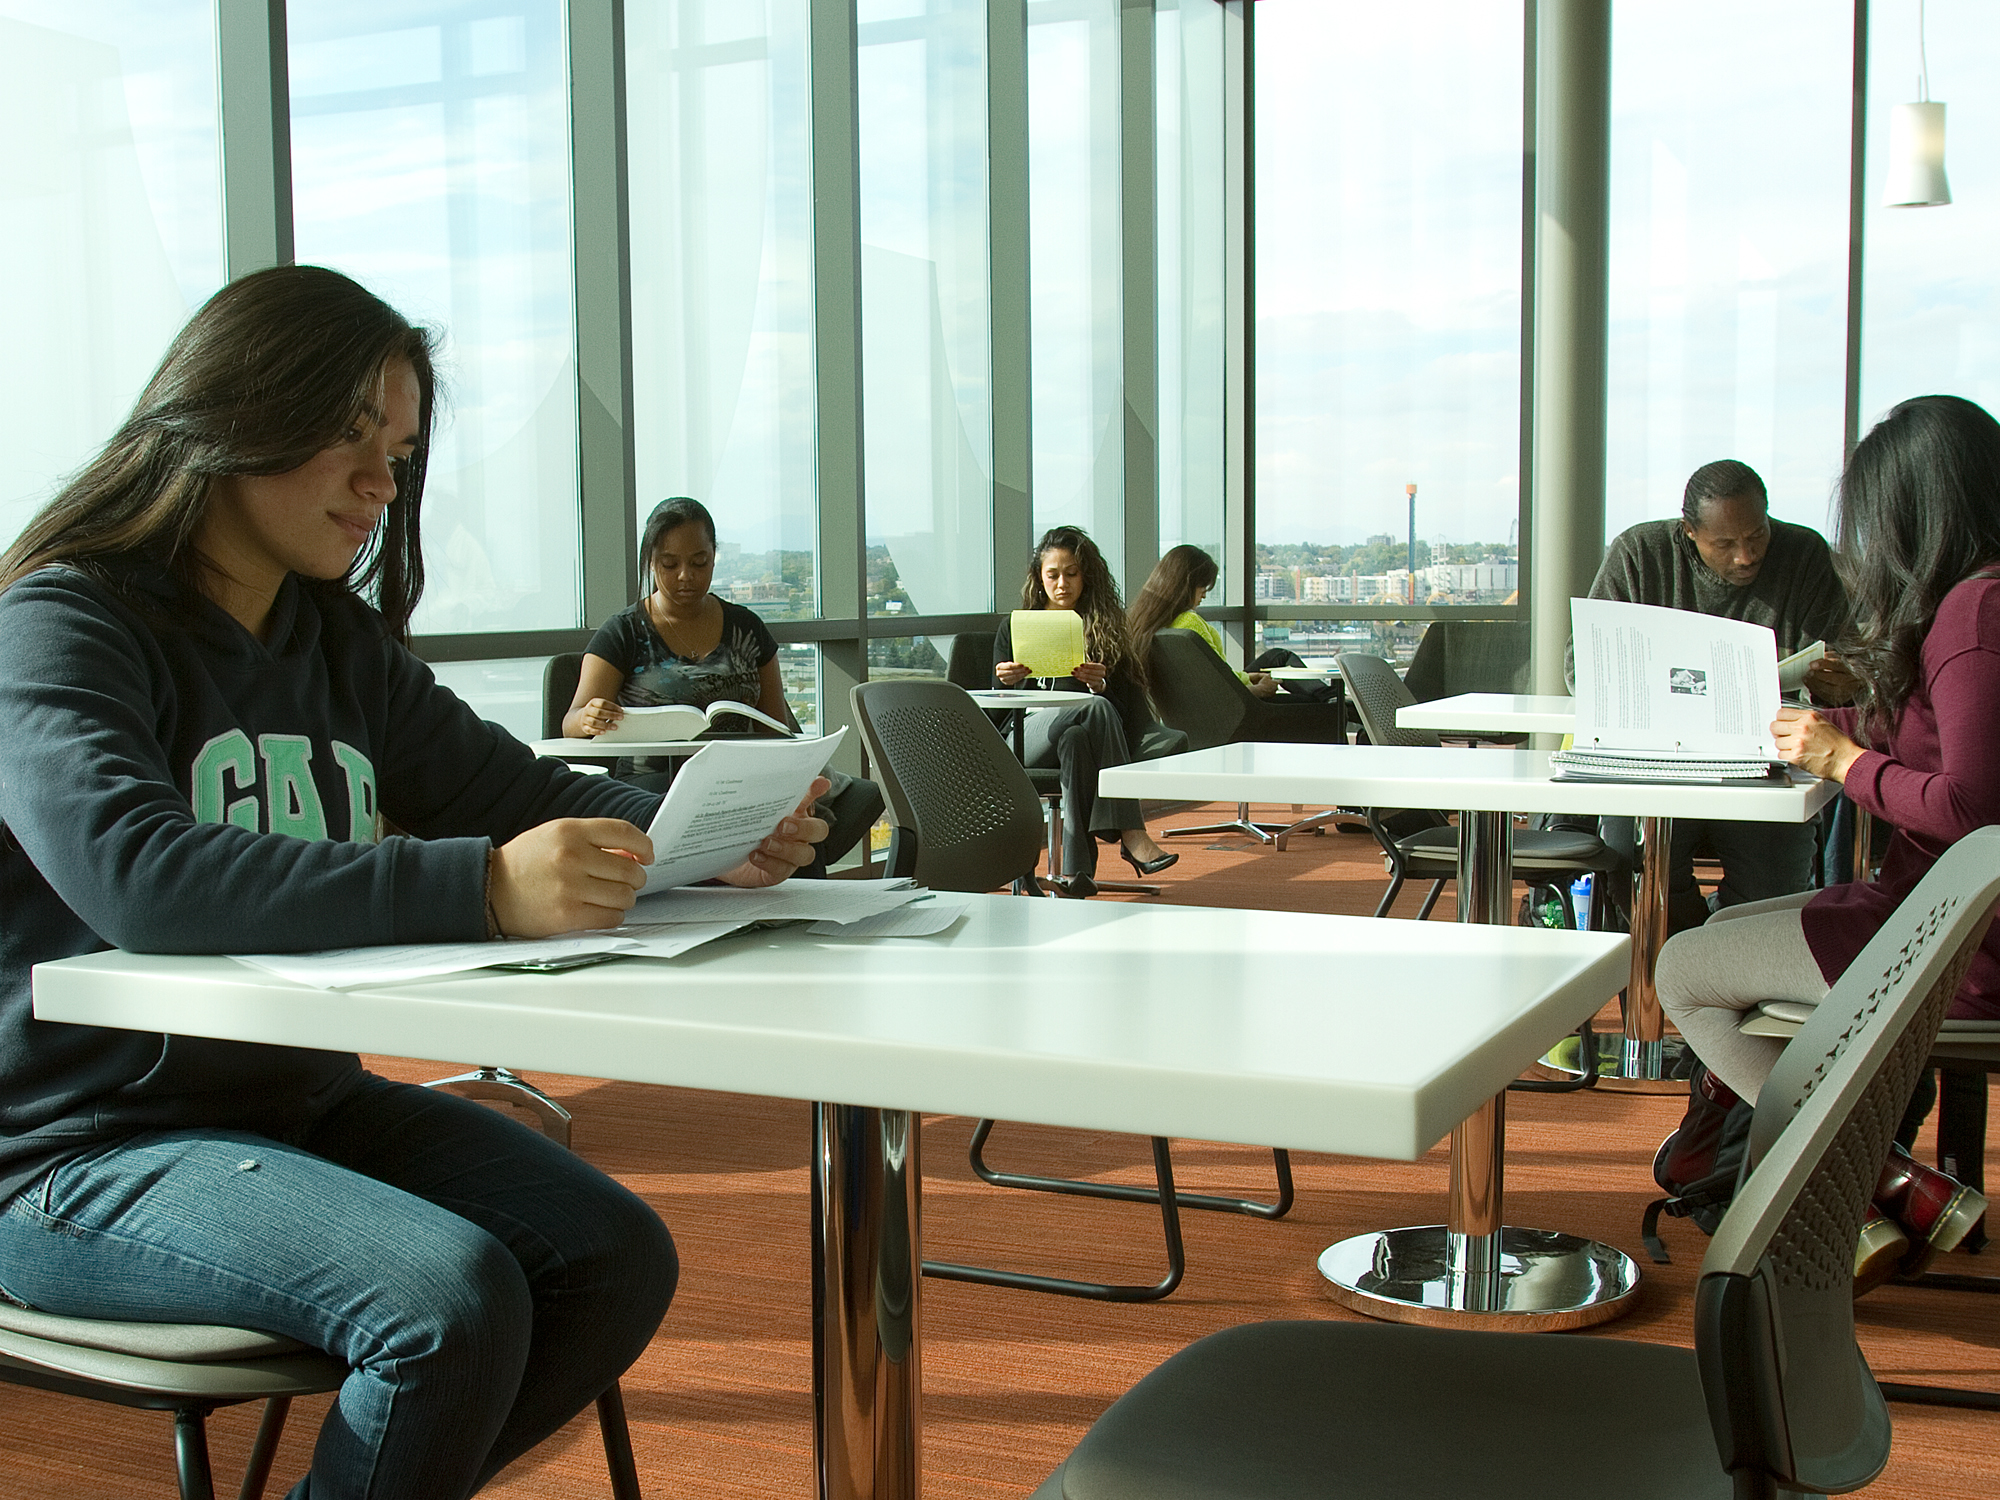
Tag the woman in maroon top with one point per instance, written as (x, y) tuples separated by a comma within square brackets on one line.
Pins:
[(1919, 545)]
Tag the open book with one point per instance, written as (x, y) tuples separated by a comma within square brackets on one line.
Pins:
[(1670, 695), (681, 721)]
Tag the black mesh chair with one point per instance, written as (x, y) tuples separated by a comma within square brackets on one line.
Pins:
[(1422, 842), (1197, 693), (968, 819), (1774, 1398), (970, 666), (1472, 656)]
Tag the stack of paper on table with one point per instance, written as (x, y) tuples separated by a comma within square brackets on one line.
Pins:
[(1668, 695), (663, 925)]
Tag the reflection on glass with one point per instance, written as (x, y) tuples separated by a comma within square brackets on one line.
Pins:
[(926, 351), (1388, 272), (1729, 167), (1193, 285), (1320, 643), (507, 692), (113, 213), (798, 670), (721, 213), (430, 161), (907, 656), (1075, 310), (1931, 302)]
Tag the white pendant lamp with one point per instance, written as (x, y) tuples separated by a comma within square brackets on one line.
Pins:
[(1916, 144)]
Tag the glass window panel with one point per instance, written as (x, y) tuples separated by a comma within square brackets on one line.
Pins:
[(430, 160), (721, 214), (926, 350), (1388, 244), (507, 692), (1728, 289), (907, 656), (113, 206), (1075, 310), (799, 671), (1193, 284), (1930, 300)]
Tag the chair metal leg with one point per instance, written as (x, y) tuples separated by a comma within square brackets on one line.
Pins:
[(1098, 1291), (1076, 1187), (1263, 833), (617, 1444), (264, 1451), (191, 1468), (1940, 1395), (509, 1087), (1430, 901)]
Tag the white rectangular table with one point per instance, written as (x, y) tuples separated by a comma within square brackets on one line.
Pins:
[(1164, 1021), (588, 749), (1492, 713), (1486, 786)]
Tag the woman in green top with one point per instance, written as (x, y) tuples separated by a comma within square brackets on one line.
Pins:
[(1180, 581)]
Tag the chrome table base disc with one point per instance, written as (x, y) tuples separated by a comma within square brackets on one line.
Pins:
[(1546, 1281)]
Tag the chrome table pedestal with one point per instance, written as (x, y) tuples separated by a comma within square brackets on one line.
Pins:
[(1473, 1271), (867, 1286), (1643, 1066)]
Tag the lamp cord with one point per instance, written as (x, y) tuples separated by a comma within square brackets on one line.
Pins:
[(1923, 59)]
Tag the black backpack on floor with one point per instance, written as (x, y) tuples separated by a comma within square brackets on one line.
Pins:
[(1700, 1165)]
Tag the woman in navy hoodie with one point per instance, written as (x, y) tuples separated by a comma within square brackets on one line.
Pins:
[(210, 743)]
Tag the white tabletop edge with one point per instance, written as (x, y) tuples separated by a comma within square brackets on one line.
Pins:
[(1454, 778), (1194, 1022)]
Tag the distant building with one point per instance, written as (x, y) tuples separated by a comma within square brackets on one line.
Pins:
[(1327, 588), (1273, 584)]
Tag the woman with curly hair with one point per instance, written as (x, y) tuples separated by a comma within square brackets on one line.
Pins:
[(1069, 572)]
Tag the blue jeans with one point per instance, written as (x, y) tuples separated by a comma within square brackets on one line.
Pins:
[(483, 1284)]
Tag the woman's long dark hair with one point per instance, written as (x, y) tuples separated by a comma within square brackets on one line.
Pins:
[(1102, 608), (1919, 514), (1177, 577), (277, 366)]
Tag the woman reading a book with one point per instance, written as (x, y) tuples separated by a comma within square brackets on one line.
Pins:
[(209, 717), (681, 644), (1068, 572), (1920, 548)]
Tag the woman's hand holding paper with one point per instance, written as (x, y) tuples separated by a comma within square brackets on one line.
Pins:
[(788, 850)]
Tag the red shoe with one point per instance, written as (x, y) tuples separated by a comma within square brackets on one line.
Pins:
[(1936, 1211), (1879, 1253)]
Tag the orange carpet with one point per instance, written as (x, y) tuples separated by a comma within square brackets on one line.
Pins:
[(721, 1405)]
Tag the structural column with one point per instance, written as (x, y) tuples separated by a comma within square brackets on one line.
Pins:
[(252, 78), (1568, 268)]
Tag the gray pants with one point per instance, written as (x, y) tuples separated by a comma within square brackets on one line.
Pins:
[(1709, 977), (1760, 861), (1083, 741)]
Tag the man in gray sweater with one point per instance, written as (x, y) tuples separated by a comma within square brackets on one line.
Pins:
[(1726, 556)]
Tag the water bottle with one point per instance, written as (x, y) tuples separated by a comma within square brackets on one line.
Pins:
[(1579, 899)]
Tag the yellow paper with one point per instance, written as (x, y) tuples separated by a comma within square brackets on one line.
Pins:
[(1048, 642)]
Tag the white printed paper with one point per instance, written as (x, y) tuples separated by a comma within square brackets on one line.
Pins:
[(391, 963), (923, 917), (1673, 681), (792, 901), (726, 800)]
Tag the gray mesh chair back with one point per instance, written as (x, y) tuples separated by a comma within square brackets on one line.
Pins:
[(559, 680), (1470, 656), (970, 664), (1195, 690), (1376, 693), (951, 781), (1789, 1394)]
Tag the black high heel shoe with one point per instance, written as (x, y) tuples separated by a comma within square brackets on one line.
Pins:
[(1149, 866)]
